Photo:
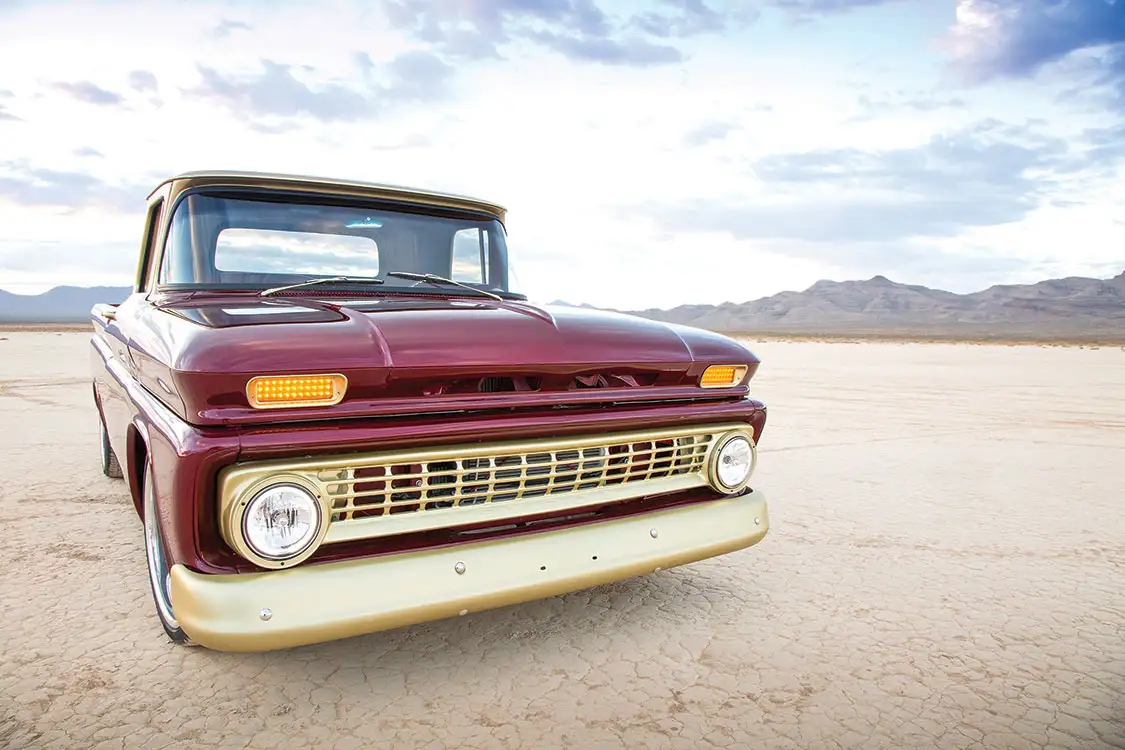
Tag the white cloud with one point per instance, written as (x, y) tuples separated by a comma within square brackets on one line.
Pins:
[(570, 143)]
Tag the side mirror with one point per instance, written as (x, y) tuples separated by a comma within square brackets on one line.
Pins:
[(104, 310)]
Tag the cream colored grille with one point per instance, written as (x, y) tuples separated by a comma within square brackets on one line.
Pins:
[(399, 491), (399, 486)]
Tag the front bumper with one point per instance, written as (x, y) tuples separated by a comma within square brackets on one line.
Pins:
[(316, 603)]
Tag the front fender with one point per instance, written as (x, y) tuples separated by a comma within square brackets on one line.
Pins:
[(184, 460)]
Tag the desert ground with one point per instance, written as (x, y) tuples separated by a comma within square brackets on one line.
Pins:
[(945, 568)]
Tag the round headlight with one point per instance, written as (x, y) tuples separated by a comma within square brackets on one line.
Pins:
[(281, 521), (734, 463)]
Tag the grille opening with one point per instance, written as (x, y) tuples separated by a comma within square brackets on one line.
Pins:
[(489, 384), (443, 474), (496, 385), (527, 383), (613, 380), (489, 529)]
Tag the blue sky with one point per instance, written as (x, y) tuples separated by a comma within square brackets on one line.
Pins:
[(650, 153)]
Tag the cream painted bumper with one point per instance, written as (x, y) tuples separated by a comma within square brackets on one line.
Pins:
[(315, 603)]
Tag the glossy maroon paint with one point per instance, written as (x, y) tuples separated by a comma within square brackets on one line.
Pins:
[(170, 374), (196, 352)]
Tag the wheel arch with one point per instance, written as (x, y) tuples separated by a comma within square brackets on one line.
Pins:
[(137, 440)]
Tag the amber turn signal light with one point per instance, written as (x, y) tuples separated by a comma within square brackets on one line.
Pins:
[(270, 392), (722, 376)]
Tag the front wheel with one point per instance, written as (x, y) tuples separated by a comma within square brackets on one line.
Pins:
[(158, 567)]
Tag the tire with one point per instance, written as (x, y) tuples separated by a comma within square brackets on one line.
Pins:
[(110, 467), (157, 563)]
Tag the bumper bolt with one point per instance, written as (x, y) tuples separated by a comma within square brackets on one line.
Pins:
[(653, 533), (757, 522), (459, 568), (265, 614), (463, 612)]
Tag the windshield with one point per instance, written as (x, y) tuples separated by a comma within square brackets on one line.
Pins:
[(215, 241)]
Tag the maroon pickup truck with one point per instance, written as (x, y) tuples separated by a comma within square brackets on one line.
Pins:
[(336, 415)]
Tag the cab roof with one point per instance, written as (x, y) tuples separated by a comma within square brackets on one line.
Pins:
[(322, 185)]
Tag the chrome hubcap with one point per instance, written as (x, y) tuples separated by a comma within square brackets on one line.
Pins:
[(157, 561)]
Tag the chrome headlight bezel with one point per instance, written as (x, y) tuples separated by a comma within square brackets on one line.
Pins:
[(716, 455)]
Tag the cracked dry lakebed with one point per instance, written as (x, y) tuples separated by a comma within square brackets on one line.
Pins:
[(945, 569)]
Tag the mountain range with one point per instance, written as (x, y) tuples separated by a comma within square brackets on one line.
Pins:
[(1069, 308), (63, 304)]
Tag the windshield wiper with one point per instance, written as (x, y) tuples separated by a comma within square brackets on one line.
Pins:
[(329, 280), (435, 279)]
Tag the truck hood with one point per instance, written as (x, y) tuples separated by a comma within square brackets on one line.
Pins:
[(418, 347)]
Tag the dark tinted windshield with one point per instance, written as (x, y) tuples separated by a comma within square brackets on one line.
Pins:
[(251, 243)]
